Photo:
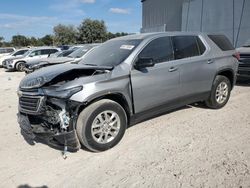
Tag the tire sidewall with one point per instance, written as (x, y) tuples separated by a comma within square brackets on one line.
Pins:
[(87, 128), (18, 66), (219, 80)]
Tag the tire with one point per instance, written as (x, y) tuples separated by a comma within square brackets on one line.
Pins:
[(220, 93), (93, 131), (20, 66)]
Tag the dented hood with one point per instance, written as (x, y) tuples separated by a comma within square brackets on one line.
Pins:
[(45, 75)]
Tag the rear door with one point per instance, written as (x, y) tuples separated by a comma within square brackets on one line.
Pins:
[(36, 54), (197, 67), (155, 86), (45, 53)]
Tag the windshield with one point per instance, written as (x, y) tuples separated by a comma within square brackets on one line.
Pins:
[(111, 53), (80, 52)]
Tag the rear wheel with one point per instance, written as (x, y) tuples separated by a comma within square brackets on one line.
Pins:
[(220, 92), (101, 125)]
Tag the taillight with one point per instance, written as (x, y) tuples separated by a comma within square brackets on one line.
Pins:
[(237, 56)]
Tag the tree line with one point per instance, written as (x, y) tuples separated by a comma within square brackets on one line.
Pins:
[(89, 31)]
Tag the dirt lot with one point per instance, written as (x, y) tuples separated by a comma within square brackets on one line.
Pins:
[(191, 147)]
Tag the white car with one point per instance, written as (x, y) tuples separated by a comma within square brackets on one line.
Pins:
[(18, 63), (6, 51), (17, 53)]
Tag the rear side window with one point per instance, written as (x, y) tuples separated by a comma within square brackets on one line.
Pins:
[(45, 52), (52, 51), (186, 46), (35, 53), (222, 42), (160, 50)]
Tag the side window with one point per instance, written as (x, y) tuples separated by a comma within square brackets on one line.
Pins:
[(222, 42), (160, 50), (45, 52), (185, 46), (52, 51), (35, 53)]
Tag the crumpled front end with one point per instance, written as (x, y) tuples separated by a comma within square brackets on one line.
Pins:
[(51, 119)]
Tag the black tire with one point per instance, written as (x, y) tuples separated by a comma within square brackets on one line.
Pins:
[(20, 66), (212, 101), (87, 117)]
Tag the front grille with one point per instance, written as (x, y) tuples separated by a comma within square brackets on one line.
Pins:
[(244, 65), (243, 56), (31, 104)]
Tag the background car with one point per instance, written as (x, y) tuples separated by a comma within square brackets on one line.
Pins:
[(74, 57), (18, 63), (244, 62), (64, 53), (17, 53), (6, 51)]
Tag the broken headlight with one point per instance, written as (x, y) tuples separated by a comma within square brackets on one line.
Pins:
[(62, 93), (33, 83)]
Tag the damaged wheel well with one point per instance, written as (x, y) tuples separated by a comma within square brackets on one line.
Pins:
[(119, 98)]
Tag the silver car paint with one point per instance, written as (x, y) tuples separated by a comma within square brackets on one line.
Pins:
[(156, 86)]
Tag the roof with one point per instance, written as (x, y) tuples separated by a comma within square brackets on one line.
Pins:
[(158, 34)]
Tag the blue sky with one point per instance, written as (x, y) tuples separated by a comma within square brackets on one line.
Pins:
[(37, 17)]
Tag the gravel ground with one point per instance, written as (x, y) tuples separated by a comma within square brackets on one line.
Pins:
[(190, 147)]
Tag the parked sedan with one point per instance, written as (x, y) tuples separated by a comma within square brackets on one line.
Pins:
[(74, 57), (244, 62)]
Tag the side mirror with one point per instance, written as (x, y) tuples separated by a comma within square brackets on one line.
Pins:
[(144, 62)]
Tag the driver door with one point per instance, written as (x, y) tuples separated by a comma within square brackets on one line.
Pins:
[(160, 84)]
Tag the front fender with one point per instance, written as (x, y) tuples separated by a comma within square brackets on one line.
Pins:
[(92, 91)]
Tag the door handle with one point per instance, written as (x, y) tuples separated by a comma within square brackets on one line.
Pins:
[(172, 69), (210, 61)]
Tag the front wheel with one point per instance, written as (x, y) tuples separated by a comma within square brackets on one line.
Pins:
[(101, 125), (220, 93), (20, 66)]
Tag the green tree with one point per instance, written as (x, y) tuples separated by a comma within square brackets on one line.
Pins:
[(47, 40), (65, 34), (91, 31), (33, 41), (1, 41), (20, 41)]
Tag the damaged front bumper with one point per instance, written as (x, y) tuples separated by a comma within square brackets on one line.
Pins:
[(51, 120)]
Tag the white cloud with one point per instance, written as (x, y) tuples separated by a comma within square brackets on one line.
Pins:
[(120, 11), (87, 1), (15, 21)]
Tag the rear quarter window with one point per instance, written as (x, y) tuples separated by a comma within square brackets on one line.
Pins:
[(222, 42)]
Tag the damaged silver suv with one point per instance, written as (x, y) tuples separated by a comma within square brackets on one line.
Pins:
[(122, 82)]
